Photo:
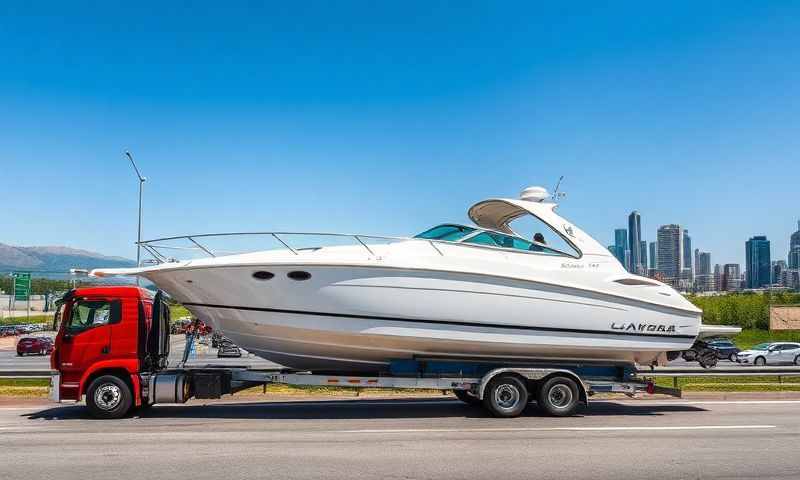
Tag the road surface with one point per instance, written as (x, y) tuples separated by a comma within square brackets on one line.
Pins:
[(428, 438)]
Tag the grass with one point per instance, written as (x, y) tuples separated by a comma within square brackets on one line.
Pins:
[(24, 387), (751, 337), (47, 319), (178, 311)]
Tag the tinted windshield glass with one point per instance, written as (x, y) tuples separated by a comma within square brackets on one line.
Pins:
[(448, 232), (495, 239), (761, 346)]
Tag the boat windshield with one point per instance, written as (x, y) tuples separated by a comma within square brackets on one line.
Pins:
[(463, 234), (495, 239), (449, 232)]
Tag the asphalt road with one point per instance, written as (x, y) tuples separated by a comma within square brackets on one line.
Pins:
[(432, 438)]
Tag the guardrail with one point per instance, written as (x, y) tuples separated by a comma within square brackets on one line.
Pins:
[(698, 372)]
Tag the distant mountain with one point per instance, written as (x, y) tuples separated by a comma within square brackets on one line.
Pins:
[(55, 262)]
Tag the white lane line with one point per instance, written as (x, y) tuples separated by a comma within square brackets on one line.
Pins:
[(558, 429)]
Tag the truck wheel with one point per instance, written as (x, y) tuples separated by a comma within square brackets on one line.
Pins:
[(559, 397), (108, 397), (506, 396), (467, 397)]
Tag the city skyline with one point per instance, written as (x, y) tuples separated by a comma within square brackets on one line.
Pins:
[(679, 262), (779, 248)]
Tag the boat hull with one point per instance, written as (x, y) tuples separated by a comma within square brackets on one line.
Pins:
[(361, 318)]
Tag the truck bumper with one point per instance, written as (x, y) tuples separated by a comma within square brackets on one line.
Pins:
[(55, 387)]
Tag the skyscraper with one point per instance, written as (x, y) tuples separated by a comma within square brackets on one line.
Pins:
[(703, 263), (731, 278), (643, 257), (634, 239), (653, 256), (687, 252), (704, 279), (758, 262), (794, 248), (670, 252), (620, 245)]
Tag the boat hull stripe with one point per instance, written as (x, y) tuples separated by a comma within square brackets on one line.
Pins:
[(439, 322)]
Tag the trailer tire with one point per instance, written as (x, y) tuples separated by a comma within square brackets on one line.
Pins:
[(559, 396), (467, 397), (108, 397), (506, 396)]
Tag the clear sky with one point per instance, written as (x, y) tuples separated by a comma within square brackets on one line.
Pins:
[(388, 117)]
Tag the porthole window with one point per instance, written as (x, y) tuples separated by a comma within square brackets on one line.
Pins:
[(298, 275), (263, 275)]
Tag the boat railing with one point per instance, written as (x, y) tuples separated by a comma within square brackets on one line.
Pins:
[(159, 248)]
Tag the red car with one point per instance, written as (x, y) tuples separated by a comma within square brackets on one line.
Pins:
[(34, 345)]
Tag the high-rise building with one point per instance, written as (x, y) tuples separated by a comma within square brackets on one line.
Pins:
[(620, 245), (704, 278), (653, 256), (778, 272), (717, 277), (731, 278), (634, 239), (794, 249), (687, 254), (758, 262), (670, 252), (643, 256)]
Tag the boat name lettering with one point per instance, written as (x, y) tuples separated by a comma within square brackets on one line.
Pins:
[(642, 327), (580, 265)]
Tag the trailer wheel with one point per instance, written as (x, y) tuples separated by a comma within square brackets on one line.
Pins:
[(505, 396), (559, 397), (108, 397), (467, 397)]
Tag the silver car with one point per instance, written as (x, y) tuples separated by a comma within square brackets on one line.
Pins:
[(774, 353)]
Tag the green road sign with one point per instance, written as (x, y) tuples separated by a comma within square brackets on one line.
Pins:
[(22, 285)]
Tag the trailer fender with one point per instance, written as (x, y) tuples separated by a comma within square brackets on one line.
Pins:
[(534, 374)]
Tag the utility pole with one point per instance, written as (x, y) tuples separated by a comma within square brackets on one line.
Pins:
[(139, 234)]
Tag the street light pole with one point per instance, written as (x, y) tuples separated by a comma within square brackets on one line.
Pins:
[(139, 234)]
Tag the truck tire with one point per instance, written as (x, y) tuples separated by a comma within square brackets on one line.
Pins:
[(467, 397), (108, 397), (506, 396), (559, 396)]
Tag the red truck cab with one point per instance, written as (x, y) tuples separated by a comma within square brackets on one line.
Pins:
[(108, 338)]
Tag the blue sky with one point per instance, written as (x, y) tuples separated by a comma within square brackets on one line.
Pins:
[(387, 117)]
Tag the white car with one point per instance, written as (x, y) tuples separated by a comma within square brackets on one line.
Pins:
[(774, 353)]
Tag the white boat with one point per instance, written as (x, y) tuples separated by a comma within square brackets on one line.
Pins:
[(480, 292)]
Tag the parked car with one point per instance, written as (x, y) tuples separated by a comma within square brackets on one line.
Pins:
[(226, 348), (34, 345), (774, 353), (725, 348), (8, 331)]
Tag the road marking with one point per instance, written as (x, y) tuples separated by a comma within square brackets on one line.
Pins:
[(559, 429)]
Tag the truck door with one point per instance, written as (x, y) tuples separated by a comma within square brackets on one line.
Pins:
[(86, 336)]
